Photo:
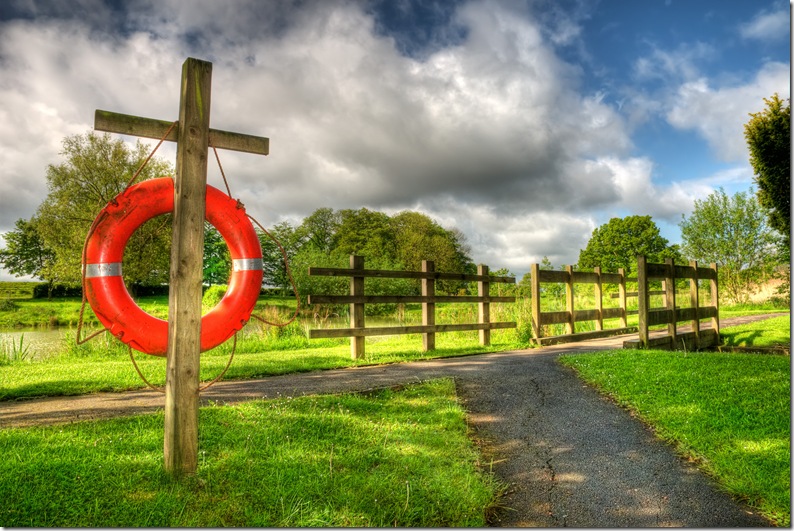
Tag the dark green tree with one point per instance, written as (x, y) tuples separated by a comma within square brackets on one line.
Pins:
[(732, 232), (26, 255), (95, 170), (617, 244), (366, 233), (768, 135), (217, 260)]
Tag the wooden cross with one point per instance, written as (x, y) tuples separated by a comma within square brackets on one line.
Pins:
[(193, 136)]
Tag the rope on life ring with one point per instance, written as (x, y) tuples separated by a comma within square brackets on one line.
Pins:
[(104, 287)]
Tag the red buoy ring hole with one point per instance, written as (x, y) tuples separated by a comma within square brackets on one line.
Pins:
[(104, 285)]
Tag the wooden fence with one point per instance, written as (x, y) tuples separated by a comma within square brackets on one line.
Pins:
[(671, 314), (570, 316), (357, 299)]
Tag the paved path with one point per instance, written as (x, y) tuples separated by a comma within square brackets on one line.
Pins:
[(571, 457)]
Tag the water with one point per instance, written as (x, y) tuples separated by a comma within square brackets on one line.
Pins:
[(39, 343)]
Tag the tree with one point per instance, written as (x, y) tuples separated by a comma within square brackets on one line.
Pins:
[(95, 170), (217, 259), (291, 239), (366, 233), (320, 228), (25, 253), (768, 135), (733, 233), (617, 244)]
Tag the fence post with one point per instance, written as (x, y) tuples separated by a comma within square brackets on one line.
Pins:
[(642, 299), (622, 297), (483, 289), (535, 278), (669, 293), (694, 302), (715, 301), (357, 308), (428, 307), (598, 299), (569, 306)]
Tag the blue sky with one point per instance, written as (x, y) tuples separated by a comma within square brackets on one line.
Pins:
[(526, 124)]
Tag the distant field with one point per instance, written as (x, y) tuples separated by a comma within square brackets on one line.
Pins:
[(17, 290)]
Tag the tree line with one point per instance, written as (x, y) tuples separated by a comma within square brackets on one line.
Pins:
[(746, 234)]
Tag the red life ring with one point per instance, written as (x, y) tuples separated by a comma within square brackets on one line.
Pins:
[(108, 296)]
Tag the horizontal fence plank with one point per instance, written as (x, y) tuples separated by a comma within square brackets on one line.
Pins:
[(553, 276), (610, 278), (707, 273), (414, 329), (657, 271), (611, 313), (657, 317), (685, 314), (685, 272), (400, 299), (382, 273), (585, 315), (584, 336), (705, 312), (548, 318), (585, 277), (635, 294)]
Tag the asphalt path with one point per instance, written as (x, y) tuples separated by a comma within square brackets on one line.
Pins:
[(570, 457)]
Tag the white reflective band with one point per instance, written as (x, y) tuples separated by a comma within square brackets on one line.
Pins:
[(247, 264), (112, 269)]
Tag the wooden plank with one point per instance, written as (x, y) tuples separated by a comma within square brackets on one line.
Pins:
[(686, 314), (535, 302), (684, 272), (599, 300), (403, 299), (549, 318), (357, 309), (484, 308), (586, 315), (622, 297), (657, 271), (612, 313), (126, 124), (637, 294), (584, 336), (705, 273), (381, 273), (569, 300), (585, 277), (643, 299), (705, 312), (428, 306), (413, 329), (659, 316), (184, 303), (611, 278), (552, 276), (670, 303)]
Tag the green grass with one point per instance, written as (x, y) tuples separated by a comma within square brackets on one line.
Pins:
[(729, 412), (103, 363), (392, 458), (767, 333)]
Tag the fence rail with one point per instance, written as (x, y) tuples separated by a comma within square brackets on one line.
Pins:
[(671, 315), (571, 316), (357, 300)]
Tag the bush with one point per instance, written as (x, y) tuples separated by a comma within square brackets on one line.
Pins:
[(213, 296), (60, 289)]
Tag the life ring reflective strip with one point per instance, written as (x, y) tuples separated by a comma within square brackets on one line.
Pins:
[(104, 285)]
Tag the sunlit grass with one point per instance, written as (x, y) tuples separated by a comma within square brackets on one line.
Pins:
[(393, 458)]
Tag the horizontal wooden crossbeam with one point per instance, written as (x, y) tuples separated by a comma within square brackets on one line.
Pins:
[(126, 124), (398, 330), (382, 273)]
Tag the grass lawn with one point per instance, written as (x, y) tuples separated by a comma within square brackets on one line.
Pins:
[(767, 333), (392, 458), (729, 412)]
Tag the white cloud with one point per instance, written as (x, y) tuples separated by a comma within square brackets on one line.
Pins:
[(767, 26), (719, 114)]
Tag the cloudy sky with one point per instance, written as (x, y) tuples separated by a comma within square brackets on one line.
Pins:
[(526, 124)]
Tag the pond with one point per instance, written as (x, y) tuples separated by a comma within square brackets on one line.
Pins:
[(39, 343)]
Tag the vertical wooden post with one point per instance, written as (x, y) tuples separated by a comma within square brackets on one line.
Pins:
[(642, 299), (357, 309), (569, 303), (669, 294), (535, 279), (622, 298), (187, 249), (483, 290), (715, 301), (429, 307), (694, 302), (599, 301)]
